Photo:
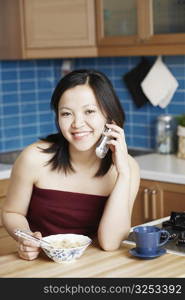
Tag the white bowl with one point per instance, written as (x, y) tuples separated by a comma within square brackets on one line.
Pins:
[(69, 252)]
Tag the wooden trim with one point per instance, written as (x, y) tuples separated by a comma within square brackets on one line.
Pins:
[(10, 30), (119, 41), (64, 52), (175, 187), (99, 20), (145, 19), (174, 39), (22, 26), (146, 50), (91, 22)]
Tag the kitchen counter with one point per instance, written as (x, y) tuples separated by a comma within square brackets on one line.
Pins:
[(5, 171), (93, 263), (7, 160), (160, 167)]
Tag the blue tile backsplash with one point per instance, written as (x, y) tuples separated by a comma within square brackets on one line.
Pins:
[(26, 88)]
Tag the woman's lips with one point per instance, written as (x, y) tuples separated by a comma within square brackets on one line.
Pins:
[(81, 135)]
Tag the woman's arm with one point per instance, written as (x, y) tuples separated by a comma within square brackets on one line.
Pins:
[(116, 220), (18, 198), (19, 193)]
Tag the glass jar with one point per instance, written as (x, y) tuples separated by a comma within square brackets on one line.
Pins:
[(166, 136)]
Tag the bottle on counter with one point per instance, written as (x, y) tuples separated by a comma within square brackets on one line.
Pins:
[(166, 134)]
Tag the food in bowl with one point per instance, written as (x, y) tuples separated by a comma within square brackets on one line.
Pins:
[(67, 244), (66, 247)]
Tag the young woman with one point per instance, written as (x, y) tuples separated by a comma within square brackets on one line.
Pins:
[(59, 185)]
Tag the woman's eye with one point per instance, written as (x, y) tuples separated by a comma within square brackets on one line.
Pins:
[(65, 114), (90, 111)]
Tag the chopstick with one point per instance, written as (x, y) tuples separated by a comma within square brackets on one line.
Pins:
[(29, 237)]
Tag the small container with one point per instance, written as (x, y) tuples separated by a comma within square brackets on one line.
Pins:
[(166, 136), (181, 141)]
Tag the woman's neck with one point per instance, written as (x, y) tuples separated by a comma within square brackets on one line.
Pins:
[(82, 160)]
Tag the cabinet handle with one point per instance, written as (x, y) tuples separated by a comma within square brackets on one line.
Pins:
[(154, 209), (146, 205)]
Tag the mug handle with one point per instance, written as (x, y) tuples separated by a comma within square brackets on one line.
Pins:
[(166, 239)]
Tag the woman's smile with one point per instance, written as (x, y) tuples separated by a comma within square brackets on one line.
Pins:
[(79, 135)]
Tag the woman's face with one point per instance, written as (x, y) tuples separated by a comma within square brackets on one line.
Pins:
[(80, 118)]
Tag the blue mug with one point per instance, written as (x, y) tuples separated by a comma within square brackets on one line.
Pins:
[(147, 239)]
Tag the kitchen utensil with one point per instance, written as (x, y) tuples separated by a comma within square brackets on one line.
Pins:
[(41, 243)]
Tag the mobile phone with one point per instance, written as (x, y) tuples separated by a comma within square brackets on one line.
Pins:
[(102, 147)]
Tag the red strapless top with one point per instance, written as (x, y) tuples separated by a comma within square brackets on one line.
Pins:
[(53, 212)]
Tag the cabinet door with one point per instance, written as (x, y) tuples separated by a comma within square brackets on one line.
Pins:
[(168, 22), (148, 203), (140, 27), (173, 198), (156, 200), (116, 22), (59, 23), (138, 213)]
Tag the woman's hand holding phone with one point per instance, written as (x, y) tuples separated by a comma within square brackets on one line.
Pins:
[(102, 147), (118, 146)]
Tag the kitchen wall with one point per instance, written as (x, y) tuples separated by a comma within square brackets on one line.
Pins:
[(26, 87)]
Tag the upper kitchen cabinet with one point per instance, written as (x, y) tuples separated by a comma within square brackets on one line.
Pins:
[(140, 27), (47, 29)]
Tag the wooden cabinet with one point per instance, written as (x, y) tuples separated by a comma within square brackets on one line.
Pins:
[(140, 27), (157, 199), (3, 189), (32, 29), (47, 28)]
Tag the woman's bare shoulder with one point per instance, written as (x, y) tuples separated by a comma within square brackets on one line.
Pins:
[(33, 155)]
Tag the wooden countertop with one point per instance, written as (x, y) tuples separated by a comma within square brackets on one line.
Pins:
[(94, 263)]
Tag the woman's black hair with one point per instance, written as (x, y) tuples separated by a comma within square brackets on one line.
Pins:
[(108, 102)]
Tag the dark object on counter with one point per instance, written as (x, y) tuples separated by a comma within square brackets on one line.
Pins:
[(181, 239), (176, 222), (138, 152), (176, 227), (173, 235), (133, 81)]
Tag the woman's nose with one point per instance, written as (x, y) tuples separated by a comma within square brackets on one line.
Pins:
[(78, 122)]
